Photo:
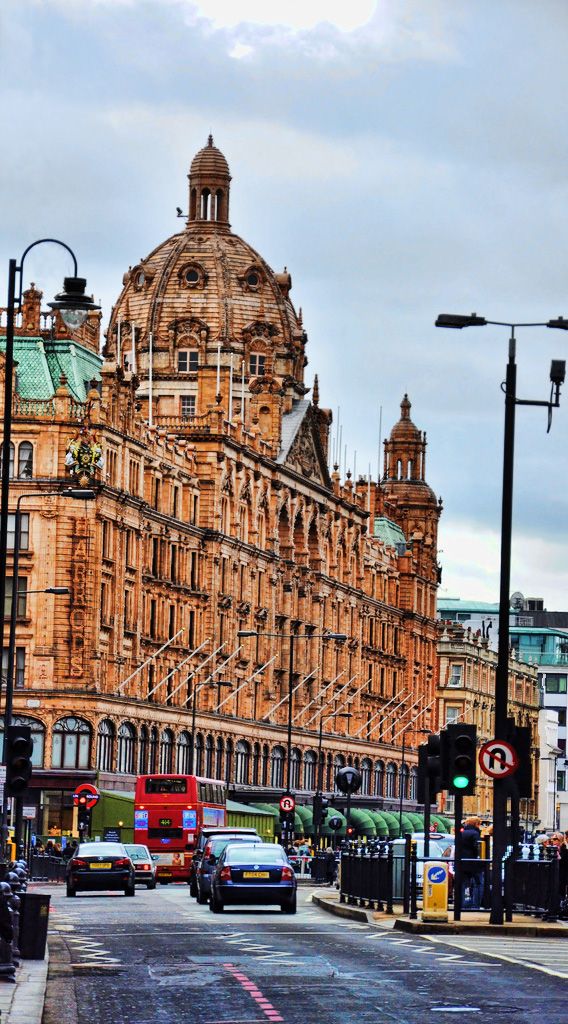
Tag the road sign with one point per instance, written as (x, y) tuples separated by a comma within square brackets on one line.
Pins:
[(498, 759), (287, 803), (89, 791)]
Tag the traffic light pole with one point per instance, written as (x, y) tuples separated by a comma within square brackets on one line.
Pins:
[(458, 870), (502, 673), (427, 815)]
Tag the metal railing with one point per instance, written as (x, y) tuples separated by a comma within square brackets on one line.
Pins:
[(44, 868)]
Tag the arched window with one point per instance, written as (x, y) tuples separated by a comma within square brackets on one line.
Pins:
[(229, 760), (338, 762), (329, 773), (38, 737), (219, 204), (379, 778), (219, 758), (192, 204), (209, 747), (366, 769), (310, 780), (143, 751), (242, 763), (295, 762), (12, 456), (403, 782), (71, 743), (277, 768), (182, 753), (198, 756), (205, 198), (265, 764), (25, 461), (125, 760), (256, 765), (413, 782), (153, 748), (391, 780), (166, 751)]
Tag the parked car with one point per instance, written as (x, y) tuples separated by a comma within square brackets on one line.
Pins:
[(259, 874), (145, 867), (213, 850), (441, 846), (98, 867), (202, 839)]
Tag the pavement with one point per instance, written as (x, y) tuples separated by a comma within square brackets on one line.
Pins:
[(22, 1002), (472, 923)]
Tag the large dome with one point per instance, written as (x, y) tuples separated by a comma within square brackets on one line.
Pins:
[(207, 291)]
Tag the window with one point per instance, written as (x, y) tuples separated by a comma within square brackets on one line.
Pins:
[(38, 737), (310, 770), (143, 751), (188, 360), (555, 683), (12, 453), (366, 768), (22, 597), (105, 743), (24, 531), (562, 717), (455, 677), (183, 753), (379, 778), (187, 406), (166, 751), (126, 746), (20, 665), (391, 780), (71, 744), (242, 763), (25, 461), (452, 715), (256, 364), (277, 768), (561, 781)]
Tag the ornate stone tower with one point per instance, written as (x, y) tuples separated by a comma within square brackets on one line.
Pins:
[(209, 180)]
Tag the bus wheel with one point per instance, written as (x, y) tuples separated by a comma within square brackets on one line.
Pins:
[(162, 882)]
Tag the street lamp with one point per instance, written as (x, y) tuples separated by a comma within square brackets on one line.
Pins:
[(319, 782), (74, 307), (78, 494), (557, 376), (292, 637)]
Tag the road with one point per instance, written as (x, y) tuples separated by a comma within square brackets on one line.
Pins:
[(161, 958)]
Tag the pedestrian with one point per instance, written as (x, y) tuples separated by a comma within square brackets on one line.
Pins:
[(559, 843), (70, 850), (330, 866), (472, 874)]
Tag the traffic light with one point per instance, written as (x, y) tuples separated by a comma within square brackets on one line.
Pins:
[(19, 748), (320, 808), (519, 736), (459, 758), (350, 831), (84, 814), (287, 820), (430, 766)]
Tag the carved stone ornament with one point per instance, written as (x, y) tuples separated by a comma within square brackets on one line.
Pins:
[(303, 456), (266, 384), (225, 602)]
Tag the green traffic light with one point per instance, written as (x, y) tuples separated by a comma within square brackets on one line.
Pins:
[(460, 782)]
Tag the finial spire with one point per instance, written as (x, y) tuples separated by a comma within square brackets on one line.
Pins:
[(316, 392), (210, 139)]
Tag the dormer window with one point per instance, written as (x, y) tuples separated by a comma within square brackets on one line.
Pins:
[(256, 364), (192, 275), (252, 279), (188, 360)]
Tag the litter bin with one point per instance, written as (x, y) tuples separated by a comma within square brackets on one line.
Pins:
[(34, 918)]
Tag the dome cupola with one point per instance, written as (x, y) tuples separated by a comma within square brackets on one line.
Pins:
[(209, 180)]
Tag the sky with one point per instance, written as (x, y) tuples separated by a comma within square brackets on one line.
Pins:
[(401, 158)]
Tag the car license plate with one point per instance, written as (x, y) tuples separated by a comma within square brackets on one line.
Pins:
[(103, 866), (256, 874)]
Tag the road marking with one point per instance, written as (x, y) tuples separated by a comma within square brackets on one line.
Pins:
[(487, 948)]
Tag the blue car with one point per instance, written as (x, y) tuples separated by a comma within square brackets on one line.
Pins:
[(259, 874)]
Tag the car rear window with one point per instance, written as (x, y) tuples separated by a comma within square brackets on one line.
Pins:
[(216, 847), (137, 853), (101, 850), (241, 854)]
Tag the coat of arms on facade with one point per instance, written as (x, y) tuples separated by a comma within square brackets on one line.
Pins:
[(84, 456)]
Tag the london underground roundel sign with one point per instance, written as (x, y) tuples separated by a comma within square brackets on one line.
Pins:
[(287, 802), (498, 759), (89, 791)]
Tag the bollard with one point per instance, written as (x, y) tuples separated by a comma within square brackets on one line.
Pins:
[(7, 967), (14, 905)]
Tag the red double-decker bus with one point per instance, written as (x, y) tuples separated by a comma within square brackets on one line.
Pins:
[(168, 811)]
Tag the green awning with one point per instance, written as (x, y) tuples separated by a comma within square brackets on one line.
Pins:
[(380, 823), (307, 816), (362, 822), (327, 831), (417, 820)]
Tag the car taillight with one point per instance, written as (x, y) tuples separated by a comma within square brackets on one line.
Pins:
[(225, 874), (122, 862), (145, 867), (80, 864), (287, 874)]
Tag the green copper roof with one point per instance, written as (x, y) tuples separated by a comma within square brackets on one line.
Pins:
[(457, 604), (41, 363), (389, 532)]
